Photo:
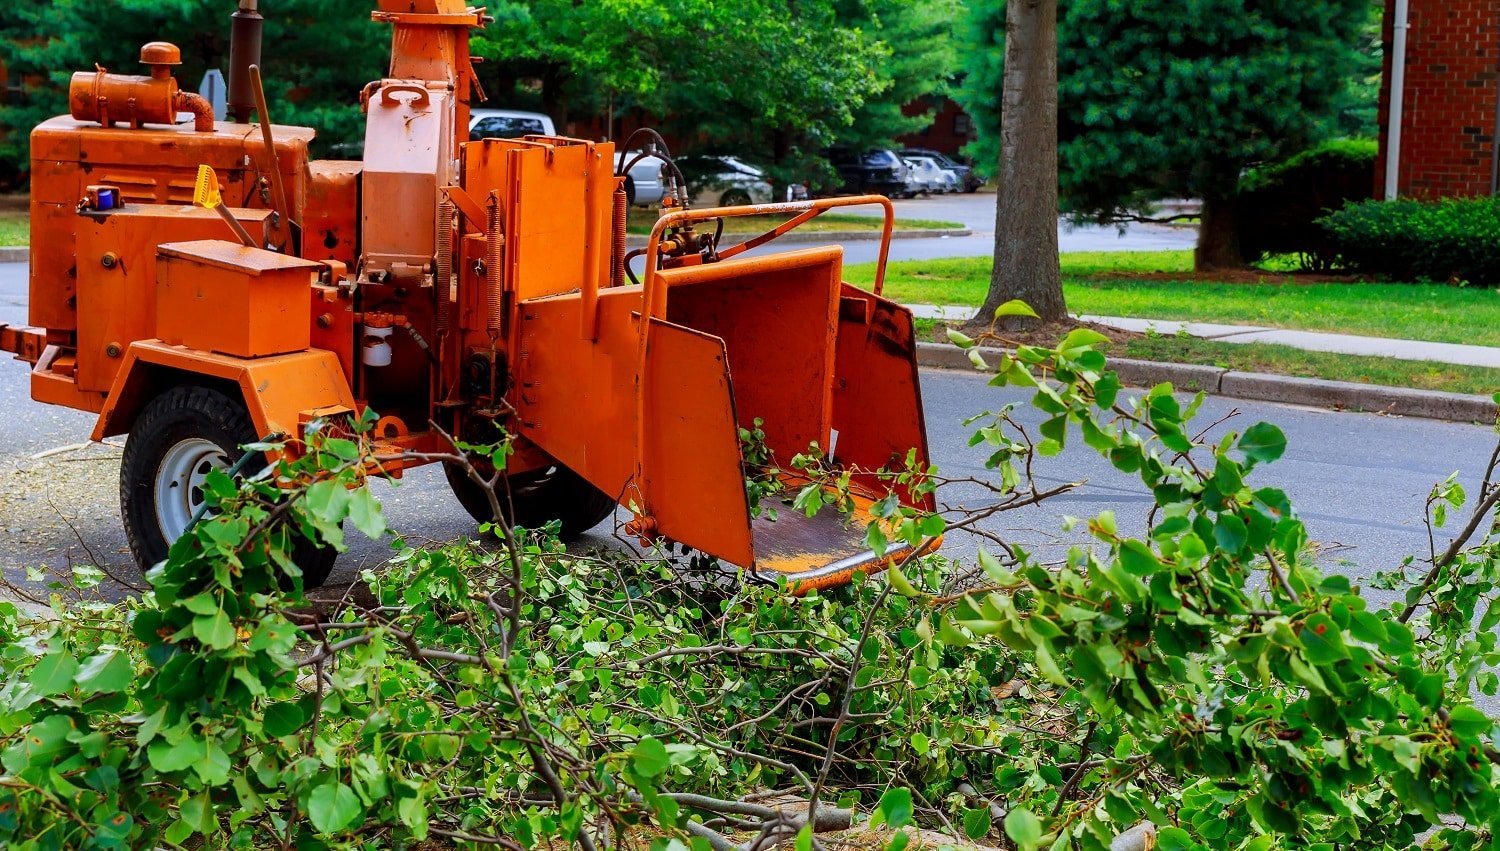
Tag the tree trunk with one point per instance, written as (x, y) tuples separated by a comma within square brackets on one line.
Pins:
[(1218, 236), (1026, 264), (554, 101)]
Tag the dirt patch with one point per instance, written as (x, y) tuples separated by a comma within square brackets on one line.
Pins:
[(1044, 336), (59, 508)]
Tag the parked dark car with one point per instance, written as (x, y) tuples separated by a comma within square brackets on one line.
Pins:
[(968, 181), (878, 172)]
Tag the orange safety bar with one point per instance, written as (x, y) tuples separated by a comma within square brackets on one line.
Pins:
[(653, 304)]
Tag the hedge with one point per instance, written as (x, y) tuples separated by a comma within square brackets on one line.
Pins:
[(1455, 240), (1279, 203)]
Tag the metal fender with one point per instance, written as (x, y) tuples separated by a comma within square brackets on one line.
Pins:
[(278, 390)]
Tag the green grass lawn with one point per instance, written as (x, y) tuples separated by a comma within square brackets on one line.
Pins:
[(642, 220), (1286, 360), (14, 227), (1111, 284)]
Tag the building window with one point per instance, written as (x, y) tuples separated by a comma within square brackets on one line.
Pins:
[(962, 126)]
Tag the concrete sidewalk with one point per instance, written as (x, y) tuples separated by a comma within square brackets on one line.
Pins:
[(1313, 341)]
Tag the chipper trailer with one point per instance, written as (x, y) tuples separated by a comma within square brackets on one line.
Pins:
[(465, 288)]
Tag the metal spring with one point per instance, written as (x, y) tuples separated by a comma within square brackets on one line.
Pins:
[(617, 259), (492, 256), (442, 282)]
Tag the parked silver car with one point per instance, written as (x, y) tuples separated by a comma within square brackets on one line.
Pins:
[(727, 181), (926, 176)]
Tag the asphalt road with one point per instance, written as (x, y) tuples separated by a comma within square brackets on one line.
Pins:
[(977, 213), (1359, 479)]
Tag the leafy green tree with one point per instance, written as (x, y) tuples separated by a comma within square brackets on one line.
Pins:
[(317, 55), (573, 59), (772, 81), (1160, 99), (923, 58)]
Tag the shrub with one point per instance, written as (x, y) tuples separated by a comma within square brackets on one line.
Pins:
[(1455, 240), (1279, 203)]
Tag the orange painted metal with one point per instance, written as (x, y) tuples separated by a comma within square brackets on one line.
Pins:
[(693, 469), (109, 98), (150, 166), (330, 217), (877, 395), (489, 271), (23, 341), (116, 278), (224, 297), (277, 389)]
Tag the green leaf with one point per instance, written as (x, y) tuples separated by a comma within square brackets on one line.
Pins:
[(283, 719), (1468, 722), (959, 339), (649, 757), (105, 673), (214, 630), (1080, 338), (899, 582), (1015, 307), (1023, 828), (896, 805), (1230, 533), (1323, 640), (364, 513), (333, 807), (977, 823), (1263, 443), (54, 673)]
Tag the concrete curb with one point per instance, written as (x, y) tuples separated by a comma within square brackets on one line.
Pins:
[(636, 240), (15, 253), (1262, 387)]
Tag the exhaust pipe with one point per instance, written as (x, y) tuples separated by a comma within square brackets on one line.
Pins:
[(244, 50)]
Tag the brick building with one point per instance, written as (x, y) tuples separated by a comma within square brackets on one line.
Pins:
[(950, 130), (1451, 99)]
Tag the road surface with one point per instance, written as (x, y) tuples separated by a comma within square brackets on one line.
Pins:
[(1359, 479), (977, 213)]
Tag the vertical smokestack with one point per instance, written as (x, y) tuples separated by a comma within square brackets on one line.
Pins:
[(244, 51)]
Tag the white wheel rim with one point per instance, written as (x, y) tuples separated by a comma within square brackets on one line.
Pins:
[(179, 483)]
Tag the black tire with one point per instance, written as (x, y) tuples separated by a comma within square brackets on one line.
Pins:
[(537, 499), (735, 198), (182, 414)]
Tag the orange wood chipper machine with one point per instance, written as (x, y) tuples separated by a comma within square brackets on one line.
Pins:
[(468, 288)]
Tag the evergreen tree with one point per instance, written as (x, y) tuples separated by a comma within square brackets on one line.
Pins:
[(1165, 98)]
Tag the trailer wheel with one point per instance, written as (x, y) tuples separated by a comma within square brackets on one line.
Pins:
[(537, 499), (180, 437)]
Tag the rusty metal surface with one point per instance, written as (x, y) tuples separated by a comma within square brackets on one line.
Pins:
[(821, 551), (877, 395)]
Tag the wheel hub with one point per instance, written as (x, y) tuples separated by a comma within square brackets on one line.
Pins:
[(179, 483)]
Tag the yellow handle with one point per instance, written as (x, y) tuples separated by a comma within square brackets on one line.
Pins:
[(206, 189)]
